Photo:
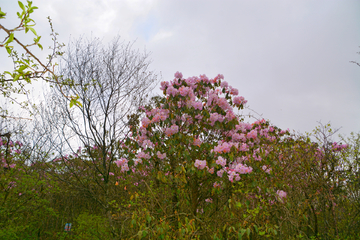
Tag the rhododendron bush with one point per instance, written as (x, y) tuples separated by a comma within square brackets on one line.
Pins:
[(193, 148), (196, 147)]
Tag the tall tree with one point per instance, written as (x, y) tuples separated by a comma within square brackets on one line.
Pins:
[(111, 82)]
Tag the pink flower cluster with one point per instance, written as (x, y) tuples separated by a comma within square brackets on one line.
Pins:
[(252, 134), (197, 105), (178, 75), (267, 169), (339, 147), (239, 101), (172, 130), (157, 115), (215, 117), (123, 163), (281, 195), (222, 148), (143, 155), (221, 161), (242, 169), (197, 142), (200, 164), (4, 164), (161, 155)]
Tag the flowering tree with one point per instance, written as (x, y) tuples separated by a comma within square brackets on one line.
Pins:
[(206, 158)]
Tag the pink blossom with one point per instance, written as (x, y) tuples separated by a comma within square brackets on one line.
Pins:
[(281, 194), (239, 101), (204, 78), (224, 84), (197, 142), (156, 118), (234, 91), (172, 130), (243, 169), (197, 105), (244, 147), (121, 162), (145, 122), (267, 169), (233, 174), (220, 172), (199, 116), (252, 134), (209, 200), (147, 143), (224, 147), (223, 103), (125, 168), (221, 161), (164, 85), (200, 164), (243, 126), (111, 174), (216, 117), (218, 77), (216, 184), (236, 137), (143, 155), (161, 155), (230, 115), (137, 161), (178, 75), (172, 91), (184, 91)]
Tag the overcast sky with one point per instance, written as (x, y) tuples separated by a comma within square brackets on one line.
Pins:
[(289, 59)]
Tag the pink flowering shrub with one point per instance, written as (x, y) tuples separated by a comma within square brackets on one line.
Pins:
[(196, 119)]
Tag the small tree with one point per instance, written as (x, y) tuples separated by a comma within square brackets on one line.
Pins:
[(111, 82)]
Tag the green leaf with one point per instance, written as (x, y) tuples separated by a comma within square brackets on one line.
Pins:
[(21, 68), (2, 14), (11, 38), (248, 232), (8, 49), (40, 46), (21, 5), (36, 40), (16, 77), (33, 30)]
